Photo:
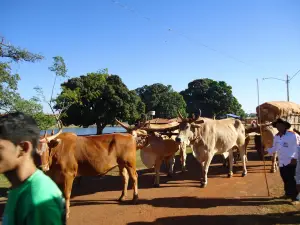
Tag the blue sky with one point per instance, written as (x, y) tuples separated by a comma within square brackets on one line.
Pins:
[(172, 42)]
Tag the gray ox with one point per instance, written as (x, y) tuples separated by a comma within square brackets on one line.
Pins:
[(210, 137)]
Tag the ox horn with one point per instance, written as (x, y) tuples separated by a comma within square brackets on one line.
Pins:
[(50, 138), (159, 129), (180, 116), (123, 125)]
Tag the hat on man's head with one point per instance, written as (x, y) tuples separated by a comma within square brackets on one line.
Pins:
[(279, 120)]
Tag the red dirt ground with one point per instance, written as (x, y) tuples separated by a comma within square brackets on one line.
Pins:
[(180, 200)]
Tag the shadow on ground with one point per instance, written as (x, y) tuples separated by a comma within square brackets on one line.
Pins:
[(191, 202), (91, 185), (268, 219)]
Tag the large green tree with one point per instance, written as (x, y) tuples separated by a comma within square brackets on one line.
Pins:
[(214, 98), (98, 98), (162, 99)]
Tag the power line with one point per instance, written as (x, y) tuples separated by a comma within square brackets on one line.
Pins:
[(124, 6), (294, 75), (287, 81)]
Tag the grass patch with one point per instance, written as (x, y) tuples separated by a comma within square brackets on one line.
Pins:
[(4, 183)]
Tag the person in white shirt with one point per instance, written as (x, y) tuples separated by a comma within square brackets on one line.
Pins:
[(297, 175), (285, 143)]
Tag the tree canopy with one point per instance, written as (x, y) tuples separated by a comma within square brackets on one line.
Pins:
[(98, 98), (162, 99), (214, 98)]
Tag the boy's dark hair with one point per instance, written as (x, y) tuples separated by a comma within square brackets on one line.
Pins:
[(17, 127)]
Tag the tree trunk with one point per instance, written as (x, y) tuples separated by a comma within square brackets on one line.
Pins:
[(100, 127)]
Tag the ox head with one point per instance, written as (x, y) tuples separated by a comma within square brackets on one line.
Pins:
[(144, 132), (139, 134), (43, 149), (186, 127)]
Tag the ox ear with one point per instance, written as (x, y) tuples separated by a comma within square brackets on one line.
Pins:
[(54, 143), (198, 124)]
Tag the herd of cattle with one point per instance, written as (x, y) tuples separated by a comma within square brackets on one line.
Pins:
[(65, 156)]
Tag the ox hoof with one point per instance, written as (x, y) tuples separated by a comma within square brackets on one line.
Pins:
[(183, 169), (170, 175), (122, 198), (244, 174), (273, 170), (135, 199), (156, 185), (203, 185), (229, 175)]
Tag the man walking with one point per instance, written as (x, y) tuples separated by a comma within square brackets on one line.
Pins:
[(285, 143), (34, 198)]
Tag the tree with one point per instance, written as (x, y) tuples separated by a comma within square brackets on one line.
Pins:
[(60, 70), (212, 97), (9, 81), (33, 108), (10, 99), (162, 99), (98, 98)]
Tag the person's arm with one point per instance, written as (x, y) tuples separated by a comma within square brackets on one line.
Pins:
[(47, 213), (294, 149), (297, 172)]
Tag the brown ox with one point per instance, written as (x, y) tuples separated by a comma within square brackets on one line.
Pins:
[(210, 137), (72, 155), (154, 148), (170, 161), (267, 135), (43, 153)]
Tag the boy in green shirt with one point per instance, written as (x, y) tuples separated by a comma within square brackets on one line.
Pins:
[(34, 198)]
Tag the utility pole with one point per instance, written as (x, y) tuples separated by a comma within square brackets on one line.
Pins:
[(287, 81), (287, 88)]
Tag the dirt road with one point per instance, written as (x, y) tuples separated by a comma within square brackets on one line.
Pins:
[(180, 200)]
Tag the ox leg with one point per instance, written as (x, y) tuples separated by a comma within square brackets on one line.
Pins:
[(134, 176), (274, 163), (230, 159), (183, 157), (125, 178), (157, 172), (205, 167), (171, 163), (243, 158), (67, 189)]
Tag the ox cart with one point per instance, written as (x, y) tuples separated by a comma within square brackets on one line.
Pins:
[(270, 111)]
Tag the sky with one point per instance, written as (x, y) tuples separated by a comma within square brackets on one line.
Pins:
[(167, 41)]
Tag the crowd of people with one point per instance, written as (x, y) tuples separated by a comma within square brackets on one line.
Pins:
[(35, 199)]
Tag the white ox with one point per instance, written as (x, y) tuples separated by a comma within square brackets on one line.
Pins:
[(210, 137), (155, 148)]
